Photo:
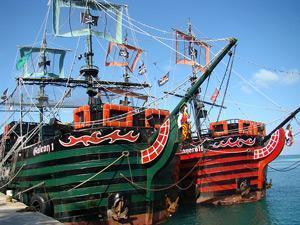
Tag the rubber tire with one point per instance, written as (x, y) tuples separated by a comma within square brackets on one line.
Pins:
[(41, 204)]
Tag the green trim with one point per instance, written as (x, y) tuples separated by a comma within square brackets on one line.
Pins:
[(73, 166), (93, 190), (82, 177), (115, 148)]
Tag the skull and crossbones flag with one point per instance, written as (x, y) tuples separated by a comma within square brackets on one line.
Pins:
[(88, 19)]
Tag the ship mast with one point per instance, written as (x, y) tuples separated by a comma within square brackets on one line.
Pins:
[(126, 74), (197, 105), (89, 71), (42, 98)]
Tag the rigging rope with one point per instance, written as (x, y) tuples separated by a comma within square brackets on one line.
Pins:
[(293, 166), (227, 84)]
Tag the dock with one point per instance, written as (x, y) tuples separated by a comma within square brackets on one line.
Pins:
[(10, 214)]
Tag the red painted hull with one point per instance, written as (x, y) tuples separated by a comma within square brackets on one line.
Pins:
[(230, 175)]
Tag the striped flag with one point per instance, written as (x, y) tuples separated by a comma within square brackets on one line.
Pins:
[(215, 95), (142, 69), (164, 79)]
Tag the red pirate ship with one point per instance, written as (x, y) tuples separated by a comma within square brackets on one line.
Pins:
[(227, 163)]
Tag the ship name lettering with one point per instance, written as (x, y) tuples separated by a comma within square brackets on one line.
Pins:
[(42, 149)]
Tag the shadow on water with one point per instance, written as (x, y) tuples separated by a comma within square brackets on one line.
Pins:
[(280, 207), (243, 214)]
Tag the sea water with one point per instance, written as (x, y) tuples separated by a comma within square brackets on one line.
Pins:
[(280, 207)]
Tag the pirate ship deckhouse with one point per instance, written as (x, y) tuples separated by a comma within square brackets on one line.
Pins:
[(112, 164)]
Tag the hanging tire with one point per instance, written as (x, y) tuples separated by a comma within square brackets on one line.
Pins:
[(41, 204)]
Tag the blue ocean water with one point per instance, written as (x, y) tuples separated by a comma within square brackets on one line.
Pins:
[(280, 207)]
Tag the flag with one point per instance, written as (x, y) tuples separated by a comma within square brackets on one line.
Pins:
[(44, 62), (123, 53), (193, 52), (21, 81), (21, 62), (88, 19), (289, 137), (142, 69), (4, 95), (164, 79), (215, 95)]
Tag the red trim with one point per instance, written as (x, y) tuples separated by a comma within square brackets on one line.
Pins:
[(82, 117), (224, 187), (151, 153), (96, 138), (224, 160), (271, 155), (253, 165), (226, 177), (125, 121)]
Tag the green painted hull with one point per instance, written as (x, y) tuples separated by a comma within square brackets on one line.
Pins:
[(67, 186)]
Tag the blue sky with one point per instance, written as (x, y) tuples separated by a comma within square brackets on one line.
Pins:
[(268, 42)]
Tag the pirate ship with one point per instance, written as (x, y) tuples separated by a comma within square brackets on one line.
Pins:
[(226, 162), (112, 164)]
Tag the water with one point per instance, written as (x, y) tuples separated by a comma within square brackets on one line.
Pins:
[(280, 207)]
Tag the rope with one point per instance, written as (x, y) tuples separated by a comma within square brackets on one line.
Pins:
[(227, 84), (276, 70), (28, 189), (167, 187), (293, 166), (125, 153), (13, 177), (140, 30), (211, 107)]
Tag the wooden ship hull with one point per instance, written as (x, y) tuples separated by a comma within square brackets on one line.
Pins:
[(101, 176), (228, 169)]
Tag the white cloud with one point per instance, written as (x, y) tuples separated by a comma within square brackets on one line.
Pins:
[(264, 78)]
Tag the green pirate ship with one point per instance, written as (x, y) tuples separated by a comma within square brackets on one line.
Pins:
[(112, 165)]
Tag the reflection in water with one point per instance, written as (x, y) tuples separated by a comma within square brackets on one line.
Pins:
[(281, 205), (242, 214)]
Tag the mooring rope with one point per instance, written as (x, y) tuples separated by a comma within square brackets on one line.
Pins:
[(125, 153), (167, 187), (13, 177)]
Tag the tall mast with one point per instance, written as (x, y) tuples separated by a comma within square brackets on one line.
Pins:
[(42, 98), (89, 71), (126, 74), (192, 51), (196, 97)]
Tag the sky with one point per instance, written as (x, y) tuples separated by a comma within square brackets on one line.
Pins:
[(264, 85)]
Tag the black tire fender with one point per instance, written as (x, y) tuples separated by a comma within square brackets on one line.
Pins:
[(42, 204)]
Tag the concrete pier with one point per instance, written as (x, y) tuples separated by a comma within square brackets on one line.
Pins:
[(9, 214)]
